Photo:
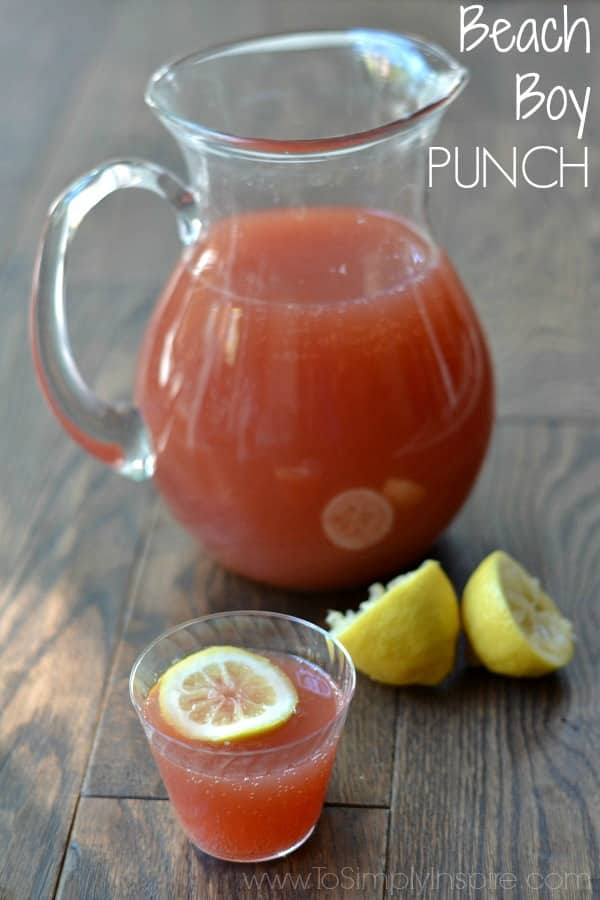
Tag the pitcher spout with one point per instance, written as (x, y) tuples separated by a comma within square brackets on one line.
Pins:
[(365, 85), (422, 76)]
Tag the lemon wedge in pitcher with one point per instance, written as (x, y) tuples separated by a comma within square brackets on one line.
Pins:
[(404, 633), (513, 626), (224, 694)]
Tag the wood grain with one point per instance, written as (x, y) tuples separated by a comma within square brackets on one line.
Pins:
[(128, 849), (514, 760), (60, 618), (176, 584), (499, 776), (33, 37), (61, 600)]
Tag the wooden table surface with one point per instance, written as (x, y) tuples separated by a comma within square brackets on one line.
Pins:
[(481, 778)]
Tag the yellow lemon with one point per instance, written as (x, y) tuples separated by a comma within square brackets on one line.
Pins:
[(404, 633), (225, 693), (513, 626)]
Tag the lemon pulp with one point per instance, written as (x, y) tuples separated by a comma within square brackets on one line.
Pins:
[(406, 632), (225, 693), (514, 627)]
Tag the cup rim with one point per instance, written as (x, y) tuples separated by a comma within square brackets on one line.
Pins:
[(231, 752), (278, 147)]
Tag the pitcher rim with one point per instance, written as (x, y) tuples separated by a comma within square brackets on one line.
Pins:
[(285, 148)]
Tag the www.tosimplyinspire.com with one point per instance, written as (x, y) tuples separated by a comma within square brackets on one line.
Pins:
[(415, 883)]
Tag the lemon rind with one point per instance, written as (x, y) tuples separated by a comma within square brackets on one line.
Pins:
[(275, 715)]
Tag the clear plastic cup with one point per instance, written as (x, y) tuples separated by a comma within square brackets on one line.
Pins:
[(251, 804)]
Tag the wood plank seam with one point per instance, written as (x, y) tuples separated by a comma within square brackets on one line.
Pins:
[(65, 849), (136, 566), (573, 421), (393, 789), (334, 804)]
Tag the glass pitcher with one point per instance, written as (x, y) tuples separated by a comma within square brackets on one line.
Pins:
[(314, 394)]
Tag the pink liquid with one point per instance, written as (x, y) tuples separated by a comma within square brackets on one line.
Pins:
[(300, 356), (240, 803)]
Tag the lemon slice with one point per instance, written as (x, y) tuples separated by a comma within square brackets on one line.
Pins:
[(357, 519), (405, 633), (225, 693), (513, 626)]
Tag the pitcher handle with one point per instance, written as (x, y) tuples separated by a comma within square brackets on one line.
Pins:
[(114, 434)]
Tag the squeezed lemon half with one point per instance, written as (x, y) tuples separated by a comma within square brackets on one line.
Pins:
[(406, 632), (514, 627), (224, 694)]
